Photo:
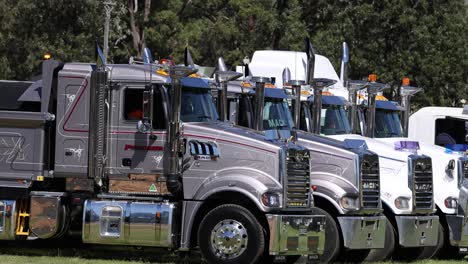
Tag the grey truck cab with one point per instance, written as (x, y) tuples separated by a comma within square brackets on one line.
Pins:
[(134, 155)]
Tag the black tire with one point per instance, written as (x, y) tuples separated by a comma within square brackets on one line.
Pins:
[(332, 239), (429, 252), (389, 245), (448, 251), (229, 217)]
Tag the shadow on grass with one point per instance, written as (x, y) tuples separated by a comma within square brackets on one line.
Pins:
[(75, 248)]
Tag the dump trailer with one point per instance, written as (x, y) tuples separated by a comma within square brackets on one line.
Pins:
[(344, 175), (405, 175), (134, 155)]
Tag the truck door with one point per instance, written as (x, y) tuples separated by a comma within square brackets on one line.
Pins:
[(137, 157)]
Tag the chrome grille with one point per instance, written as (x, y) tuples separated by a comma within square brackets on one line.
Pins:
[(370, 181), (422, 183), (462, 170), (298, 175)]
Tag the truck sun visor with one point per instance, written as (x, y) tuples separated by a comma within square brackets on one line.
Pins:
[(273, 93), (330, 100), (194, 82), (389, 105)]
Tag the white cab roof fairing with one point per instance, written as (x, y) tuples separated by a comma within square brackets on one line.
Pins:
[(422, 122), (271, 63)]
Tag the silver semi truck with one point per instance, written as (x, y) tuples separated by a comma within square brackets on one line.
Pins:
[(134, 155)]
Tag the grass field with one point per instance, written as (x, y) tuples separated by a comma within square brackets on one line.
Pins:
[(14, 259), (69, 252)]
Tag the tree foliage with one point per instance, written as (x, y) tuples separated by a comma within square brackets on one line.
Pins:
[(425, 40)]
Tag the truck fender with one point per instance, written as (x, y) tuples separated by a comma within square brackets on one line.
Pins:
[(333, 190), (250, 183)]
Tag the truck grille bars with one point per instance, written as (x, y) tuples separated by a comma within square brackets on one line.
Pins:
[(370, 182), (462, 170), (298, 179), (421, 183)]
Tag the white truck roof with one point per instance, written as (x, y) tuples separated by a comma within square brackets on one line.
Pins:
[(422, 122), (271, 63)]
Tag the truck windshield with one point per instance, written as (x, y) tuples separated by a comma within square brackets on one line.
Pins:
[(197, 106), (387, 124), (334, 120), (277, 119)]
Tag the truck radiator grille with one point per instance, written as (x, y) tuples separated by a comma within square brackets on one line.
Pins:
[(462, 170), (422, 184), (370, 182), (298, 179)]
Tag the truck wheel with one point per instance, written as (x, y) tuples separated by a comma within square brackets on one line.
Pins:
[(231, 234), (389, 245), (332, 239), (429, 252)]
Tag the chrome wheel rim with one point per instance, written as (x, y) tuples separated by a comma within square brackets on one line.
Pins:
[(228, 239)]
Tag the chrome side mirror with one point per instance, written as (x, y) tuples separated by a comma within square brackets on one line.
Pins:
[(450, 167), (143, 126)]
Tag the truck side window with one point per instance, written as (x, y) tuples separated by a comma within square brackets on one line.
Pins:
[(133, 107)]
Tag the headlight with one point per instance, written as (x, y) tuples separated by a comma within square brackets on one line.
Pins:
[(271, 199), (402, 203), (349, 202), (451, 202)]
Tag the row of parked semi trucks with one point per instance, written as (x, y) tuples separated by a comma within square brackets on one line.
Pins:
[(283, 160)]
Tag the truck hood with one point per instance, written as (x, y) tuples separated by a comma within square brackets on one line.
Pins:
[(230, 133), (383, 149), (445, 185)]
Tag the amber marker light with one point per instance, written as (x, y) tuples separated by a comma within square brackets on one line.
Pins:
[(405, 81), (372, 77)]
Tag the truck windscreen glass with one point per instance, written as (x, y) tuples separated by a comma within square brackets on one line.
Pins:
[(197, 106), (334, 120), (277, 118), (387, 124)]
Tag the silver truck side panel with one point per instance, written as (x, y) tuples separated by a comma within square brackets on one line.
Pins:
[(328, 159), (242, 164), (71, 149), (21, 147)]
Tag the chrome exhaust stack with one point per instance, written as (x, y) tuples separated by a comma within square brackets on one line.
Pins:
[(372, 90), (317, 84), (223, 76), (259, 100), (296, 91), (406, 92), (173, 174)]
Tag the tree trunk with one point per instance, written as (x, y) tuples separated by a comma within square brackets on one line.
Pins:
[(137, 26)]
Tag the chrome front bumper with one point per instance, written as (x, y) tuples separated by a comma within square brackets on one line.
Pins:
[(296, 234), (362, 232), (417, 231), (458, 229)]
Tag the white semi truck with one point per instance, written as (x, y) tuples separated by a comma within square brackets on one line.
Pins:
[(406, 176), (449, 161)]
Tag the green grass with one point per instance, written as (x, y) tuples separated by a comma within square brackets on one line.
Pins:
[(12, 259), (17, 259)]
